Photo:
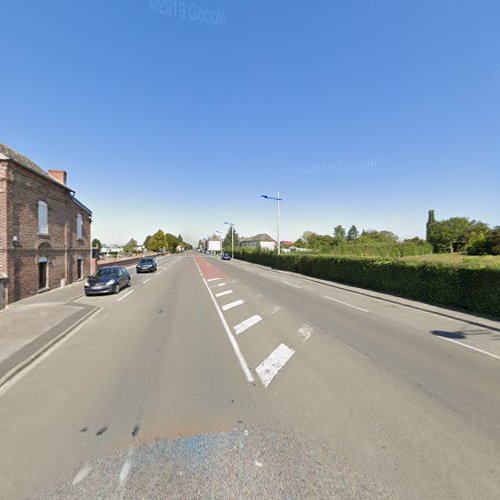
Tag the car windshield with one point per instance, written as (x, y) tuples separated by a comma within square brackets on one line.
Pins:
[(146, 261), (105, 272)]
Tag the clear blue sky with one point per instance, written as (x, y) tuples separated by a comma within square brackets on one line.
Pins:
[(359, 112)]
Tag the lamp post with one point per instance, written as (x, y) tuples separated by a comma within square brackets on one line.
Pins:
[(278, 199), (232, 238)]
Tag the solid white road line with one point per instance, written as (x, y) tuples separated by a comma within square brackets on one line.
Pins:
[(126, 295), (232, 340), (232, 304), (470, 347), (213, 279), (269, 368), (244, 325), (346, 304), (291, 284), (221, 294)]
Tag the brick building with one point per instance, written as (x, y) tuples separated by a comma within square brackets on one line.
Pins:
[(44, 230)]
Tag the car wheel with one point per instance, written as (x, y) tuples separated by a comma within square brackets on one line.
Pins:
[(116, 289), (129, 282)]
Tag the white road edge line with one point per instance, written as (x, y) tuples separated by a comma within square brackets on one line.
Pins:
[(221, 294), (232, 340), (126, 295), (291, 284), (270, 367), (346, 304), (245, 325), (213, 279), (236, 303), (470, 347)]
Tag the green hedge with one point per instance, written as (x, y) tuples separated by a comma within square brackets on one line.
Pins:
[(477, 290)]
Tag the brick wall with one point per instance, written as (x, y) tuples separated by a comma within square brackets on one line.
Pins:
[(60, 246)]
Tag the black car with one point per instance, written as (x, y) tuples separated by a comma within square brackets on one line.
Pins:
[(225, 256), (107, 280), (146, 265)]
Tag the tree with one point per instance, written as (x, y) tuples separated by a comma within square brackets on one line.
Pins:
[(226, 243), (353, 233), (451, 235), (339, 234), (371, 235), (171, 242), (431, 220), (157, 242), (146, 242), (130, 246), (96, 244), (179, 238)]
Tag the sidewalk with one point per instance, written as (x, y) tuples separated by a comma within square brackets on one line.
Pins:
[(32, 325)]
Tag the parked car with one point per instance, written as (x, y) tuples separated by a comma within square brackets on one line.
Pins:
[(107, 280), (146, 265), (225, 256)]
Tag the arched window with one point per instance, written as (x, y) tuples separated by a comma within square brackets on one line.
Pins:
[(79, 226), (43, 218)]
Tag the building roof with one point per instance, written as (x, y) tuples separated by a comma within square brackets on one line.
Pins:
[(258, 237), (7, 153)]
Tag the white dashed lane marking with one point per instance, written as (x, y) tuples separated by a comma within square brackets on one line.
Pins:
[(270, 367), (213, 279), (346, 304), (290, 284), (232, 304), (221, 294), (244, 325)]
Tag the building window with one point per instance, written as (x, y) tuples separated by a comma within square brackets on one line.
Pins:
[(43, 218), (79, 227), (79, 268)]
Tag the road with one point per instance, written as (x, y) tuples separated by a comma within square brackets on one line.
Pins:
[(223, 379)]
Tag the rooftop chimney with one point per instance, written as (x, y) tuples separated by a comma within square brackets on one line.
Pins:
[(59, 175)]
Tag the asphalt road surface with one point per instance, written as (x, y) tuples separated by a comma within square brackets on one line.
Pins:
[(224, 380)]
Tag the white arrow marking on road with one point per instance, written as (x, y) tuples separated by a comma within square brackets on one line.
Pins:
[(244, 325), (305, 331), (270, 367), (232, 304), (221, 294)]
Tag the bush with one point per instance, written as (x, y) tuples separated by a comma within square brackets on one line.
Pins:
[(475, 289)]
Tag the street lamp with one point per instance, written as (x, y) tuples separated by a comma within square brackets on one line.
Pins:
[(278, 199), (232, 238)]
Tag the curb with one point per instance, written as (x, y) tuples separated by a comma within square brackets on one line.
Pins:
[(33, 357), (375, 295)]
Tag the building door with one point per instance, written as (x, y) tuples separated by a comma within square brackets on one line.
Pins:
[(79, 268), (42, 274)]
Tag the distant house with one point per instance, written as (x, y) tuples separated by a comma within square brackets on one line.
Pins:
[(285, 243), (262, 240)]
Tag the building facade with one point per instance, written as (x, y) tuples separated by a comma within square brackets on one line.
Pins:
[(45, 239), (262, 240)]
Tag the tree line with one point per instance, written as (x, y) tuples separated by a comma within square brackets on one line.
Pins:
[(461, 234)]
